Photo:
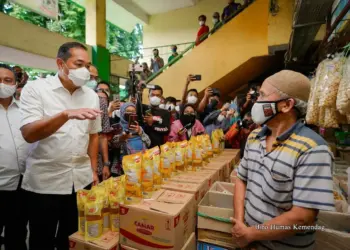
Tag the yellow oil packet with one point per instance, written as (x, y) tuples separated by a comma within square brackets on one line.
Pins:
[(180, 156), (165, 164), (172, 146), (202, 144), (132, 169), (222, 140), (157, 175), (93, 215), (147, 175), (81, 200), (116, 197), (189, 156), (209, 147), (101, 189), (215, 138)]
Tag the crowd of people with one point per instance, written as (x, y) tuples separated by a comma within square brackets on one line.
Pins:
[(157, 62), (63, 133)]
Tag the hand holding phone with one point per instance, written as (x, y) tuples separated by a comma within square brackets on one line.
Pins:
[(132, 120)]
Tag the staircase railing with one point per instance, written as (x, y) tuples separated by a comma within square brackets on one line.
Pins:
[(192, 45)]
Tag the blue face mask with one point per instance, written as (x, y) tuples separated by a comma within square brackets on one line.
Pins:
[(173, 50)]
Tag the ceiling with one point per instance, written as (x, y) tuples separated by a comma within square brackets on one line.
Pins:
[(152, 7)]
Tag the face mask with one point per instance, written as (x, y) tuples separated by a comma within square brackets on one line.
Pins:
[(91, 84), (155, 101), (192, 99), (79, 77), (213, 103), (7, 90), (173, 50), (170, 107), (201, 23), (177, 108), (221, 118), (162, 106), (215, 20), (187, 119), (262, 112)]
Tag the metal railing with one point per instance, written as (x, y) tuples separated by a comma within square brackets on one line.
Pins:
[(192, 45)]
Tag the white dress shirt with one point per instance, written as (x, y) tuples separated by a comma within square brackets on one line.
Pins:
[(13, 148), (60, 161)]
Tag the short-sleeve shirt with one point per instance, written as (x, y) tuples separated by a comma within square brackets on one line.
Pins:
[(297, 172), (59, 162)]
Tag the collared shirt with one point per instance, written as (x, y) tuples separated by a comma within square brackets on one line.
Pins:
[(60, 161), (297, 172), (13, 148)]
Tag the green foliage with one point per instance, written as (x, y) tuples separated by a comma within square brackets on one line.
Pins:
[(123, 43)]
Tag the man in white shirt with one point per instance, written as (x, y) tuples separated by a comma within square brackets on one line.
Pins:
[(13, 153), (61, 117)]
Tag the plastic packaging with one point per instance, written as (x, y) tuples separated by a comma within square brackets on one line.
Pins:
[(132, 169), (343, 97), (147, 175)]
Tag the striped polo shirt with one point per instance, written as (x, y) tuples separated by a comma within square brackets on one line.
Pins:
[(297, 172)]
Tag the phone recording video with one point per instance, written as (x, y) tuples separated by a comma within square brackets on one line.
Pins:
[(132, 120), (197, 77)]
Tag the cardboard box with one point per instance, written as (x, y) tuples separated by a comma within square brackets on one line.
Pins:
[(197, 189), (108, 241), (214, 240), (163, 222), (212, 174), (191, 178), (213, 231), (223, 188), (336, 234), (207, 246), (221, 166)]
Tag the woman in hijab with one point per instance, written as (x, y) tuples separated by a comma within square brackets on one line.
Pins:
[(186, 126), (129, 140)]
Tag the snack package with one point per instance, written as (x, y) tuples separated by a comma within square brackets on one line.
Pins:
[(189, 156), (165, 165), (343, 96), (312, 114), (180, 156), (157, 175), (102, 192), (132, 169), (93, 215), (116, 197), (81, 200), (147, 175)]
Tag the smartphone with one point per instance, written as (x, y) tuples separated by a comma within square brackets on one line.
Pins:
[(116, 97), (197, 77), (132, 120)]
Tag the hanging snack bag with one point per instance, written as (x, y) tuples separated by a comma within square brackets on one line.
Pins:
[(81, 200), (93, 215), (165, 165), (132, 169), (147, 175)]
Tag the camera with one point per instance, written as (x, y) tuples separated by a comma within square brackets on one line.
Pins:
[(254, 94), (244, 124)]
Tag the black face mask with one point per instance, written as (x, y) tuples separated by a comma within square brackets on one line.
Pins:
[(187, 120), (213, 103)]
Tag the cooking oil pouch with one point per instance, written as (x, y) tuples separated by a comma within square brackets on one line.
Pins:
[(147, 175), (157, 175), (101, 189), (132, 168), (165, 164), (180, 156), (189, 155), (93, 215), (81, 200), (116, 197)]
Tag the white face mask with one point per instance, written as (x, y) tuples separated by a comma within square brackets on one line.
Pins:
[(215, 20), (162, 106), (170, 107), (155, 101), (201, 23), (263, 112), (177, 108), (79, 77), (221, 118), (91, 84), (7, 90), (192, 99)]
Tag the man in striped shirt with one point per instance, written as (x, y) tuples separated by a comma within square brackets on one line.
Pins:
[(285, 176)]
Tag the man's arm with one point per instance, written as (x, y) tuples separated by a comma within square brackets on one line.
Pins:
[(184, 93), (205, 99), (93, 154), (161, 63)]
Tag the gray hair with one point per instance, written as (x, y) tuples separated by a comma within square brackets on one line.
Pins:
[(299, 105)]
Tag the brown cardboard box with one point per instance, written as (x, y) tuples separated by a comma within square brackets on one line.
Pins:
[(223, 188), (197, 189), (212, 174), (335, 235), (221, 166), (208, 239), (165, 221), (190, 244), (108, 241), (213, 231), (191, 178)]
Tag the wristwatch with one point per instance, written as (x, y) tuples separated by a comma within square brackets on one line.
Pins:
[(107, 164)]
